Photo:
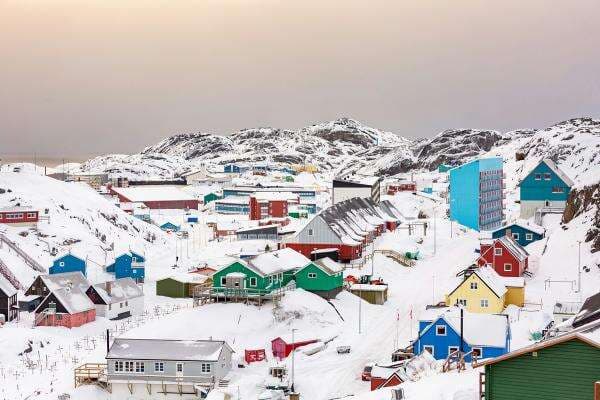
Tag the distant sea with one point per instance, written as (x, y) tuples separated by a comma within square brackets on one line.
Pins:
[(40, 160)]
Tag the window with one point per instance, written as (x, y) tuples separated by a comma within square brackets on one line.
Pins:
[(440, 330), (253, 281), (312, 275), (31, 215), (429, 349), (109, 307), (484, 303), (139, 367), (547, 176), (452, 349), (515, 236), (557, 189), (498, 251), (473, 285), (507, 267), (529, 237), (310, 232), (120, 305), (538, 177), (223, 281), (126, 303), (118, 366), (179, 368), (205, 368), (159, 367), (128, 366), (62, 263), (477, 352), (461, 302)]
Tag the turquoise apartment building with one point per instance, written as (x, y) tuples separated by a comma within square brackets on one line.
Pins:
[(476, 194)]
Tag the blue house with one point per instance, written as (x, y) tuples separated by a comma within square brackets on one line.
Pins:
[(129, 265), (235, 168), (546, 186), (484, 335), (521, 231), (169, 227), (68, 263), (476, 194)]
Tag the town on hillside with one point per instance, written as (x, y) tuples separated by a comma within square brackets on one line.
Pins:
[(475, 279)]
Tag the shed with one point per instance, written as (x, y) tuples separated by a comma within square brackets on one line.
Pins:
[(281, 348), (181, 285), (69, 307), (374, 294), (169, 227), (590, 311)]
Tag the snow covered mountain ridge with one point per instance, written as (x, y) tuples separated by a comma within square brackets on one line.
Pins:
[(346, 144)]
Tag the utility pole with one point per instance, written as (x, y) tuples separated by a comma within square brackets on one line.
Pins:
[(359, 309), (579, 267), (434, 233), (293, 351)]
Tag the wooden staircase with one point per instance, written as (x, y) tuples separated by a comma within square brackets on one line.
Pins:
[(223, 383), (28, 260), (398, 257), (5, 272)]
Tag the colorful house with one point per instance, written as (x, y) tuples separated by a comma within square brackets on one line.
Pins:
[(323, 277), (19, 216), (68, 263), (181, 285), (562, 368), (387, 376), (522, 232), (210, 197), (129, 265), (505, 255), (282, 348), (259, 275), (45, 284), (546, 186), (484, 291), (9, 307), (482, 336), (476, 194), (444, 168), (68, 306), (169, 227)]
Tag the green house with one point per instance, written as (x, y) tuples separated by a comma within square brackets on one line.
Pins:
[(210, 197), (323, 277), (259, 275), (563, 368), (181, 285)]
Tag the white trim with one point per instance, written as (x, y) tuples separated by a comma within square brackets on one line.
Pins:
[(529, 237), (429, 346), (509, 269), (441, 334)]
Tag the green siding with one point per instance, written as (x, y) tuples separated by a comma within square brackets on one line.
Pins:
[(565, 371), (261, 284), (323, 281), (171, 288)]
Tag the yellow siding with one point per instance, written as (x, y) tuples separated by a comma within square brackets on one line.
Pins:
[(515, 295), (474, 296)]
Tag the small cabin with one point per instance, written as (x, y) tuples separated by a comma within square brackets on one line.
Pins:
[(19, 216), (374, 294), (69, 307), (170, 227), (322, 277), (522, 232), (181, 285), (129, 265), (282, 348), (117, 299)]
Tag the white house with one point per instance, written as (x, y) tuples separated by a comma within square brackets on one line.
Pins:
[(117, 299)]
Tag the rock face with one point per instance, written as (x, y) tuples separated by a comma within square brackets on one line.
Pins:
[(586, 201)]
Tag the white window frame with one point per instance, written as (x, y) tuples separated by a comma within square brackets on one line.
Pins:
[(437, 330), (480, 349), (529, 237), (223, 281), (159, 366), (119, 366), (253, 281), (484, 303), (312, 275), (498, 251), (61, 263), (537, 177), (429, 346), (206, 368), (547, 176), (31, 215), (140, 367), (129, 366), (179, 366), (507, 267), (452, 349)]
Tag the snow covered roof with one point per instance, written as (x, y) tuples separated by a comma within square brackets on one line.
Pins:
[(277, 261), (118, 290), (329, 266), (529, 226), (515, 248), (368, 287), (258, 228), (567, 307), (491, 278), (188, 277), (6, 287), (563, 177), (17, 209), (282, 196), (58, 281), (228, 226), (590, 310), (233, 200), (74, 300), (163, 349), (153, 193), (513, 281)]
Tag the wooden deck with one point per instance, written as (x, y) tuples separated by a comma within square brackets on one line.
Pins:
[(204, 295), (398, 257), (91, 374)]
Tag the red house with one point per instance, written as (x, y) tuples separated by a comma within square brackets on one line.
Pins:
[(386, 377), (19, 216), (156, 196), (274, 205), (394, 188), (68, 306), (505, 255), (281, 349)]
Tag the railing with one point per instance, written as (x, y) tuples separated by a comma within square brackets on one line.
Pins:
[(91, 373), (4, 271), (28, 260), (399, 257)]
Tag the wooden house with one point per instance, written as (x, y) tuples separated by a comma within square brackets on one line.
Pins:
[(505, 255), (69, 263), (282, 348), (323, 277), (117, 299), (181, 285), (19, 216), (9, 307), (546, 186), (374, 294), (69, 307), (482, 290), (130, 264), (523, 232), (169, 227), (565, 367), (483, 335), (161, 368), (260, 274), (263, 232), (387, 376)]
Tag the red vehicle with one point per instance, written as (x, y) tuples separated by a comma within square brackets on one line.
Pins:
[(366, 374)]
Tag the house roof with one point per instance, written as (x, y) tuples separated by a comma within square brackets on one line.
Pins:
[(567, 307), (58, 281), (188, 277), (491, 279), (17, 209), (120, 290), (590, 310), (6, 287), (478, 328), (274, 196), (368, 287), (530, 226), (328, 265), (559, 172), (162, 349), (513, 281), (515, 248), (277, 261), (74, 300), (589, 334)]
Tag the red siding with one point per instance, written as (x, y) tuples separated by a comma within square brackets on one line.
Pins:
[(19, 217), (254, 209), (68, 320), (346, 253), (378, 383), (281, 349), (278, 208), (497, 261)]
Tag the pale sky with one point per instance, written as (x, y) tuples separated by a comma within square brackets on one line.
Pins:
[(86, 77)]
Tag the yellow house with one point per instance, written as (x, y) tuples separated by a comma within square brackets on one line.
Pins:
[(484, 291)]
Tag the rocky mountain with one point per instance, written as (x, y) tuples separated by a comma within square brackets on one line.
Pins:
[(347, 145)]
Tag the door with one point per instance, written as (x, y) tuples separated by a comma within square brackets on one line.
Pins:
[(179, 369)]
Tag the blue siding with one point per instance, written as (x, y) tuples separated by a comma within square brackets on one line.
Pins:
[(428, 337), (539, 185), (232, 208), (520, 231), (70, 263), (168, 226), (123, 267)]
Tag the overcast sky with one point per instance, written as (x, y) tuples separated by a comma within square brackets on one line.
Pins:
[(85, 77)]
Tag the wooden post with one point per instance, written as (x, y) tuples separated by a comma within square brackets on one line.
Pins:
[(597, 391), (294, 396)]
